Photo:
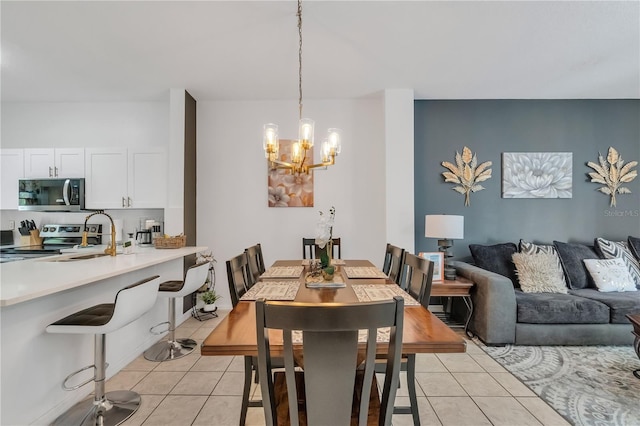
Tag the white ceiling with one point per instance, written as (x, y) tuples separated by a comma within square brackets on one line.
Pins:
[(135, 51)]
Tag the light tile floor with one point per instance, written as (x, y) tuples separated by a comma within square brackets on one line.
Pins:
[(453, 389)]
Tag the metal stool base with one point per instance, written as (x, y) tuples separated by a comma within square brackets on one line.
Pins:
[(168, 350), (117, 407)]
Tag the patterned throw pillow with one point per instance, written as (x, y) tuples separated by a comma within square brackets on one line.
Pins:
[(539, 273), (611, 250), (531, 248), (610, 274)]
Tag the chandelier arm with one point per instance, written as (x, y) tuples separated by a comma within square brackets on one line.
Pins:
[(331, 162)]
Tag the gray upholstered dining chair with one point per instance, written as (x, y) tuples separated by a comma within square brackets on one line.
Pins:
[(332, 370), (256, 262), (393, 259)]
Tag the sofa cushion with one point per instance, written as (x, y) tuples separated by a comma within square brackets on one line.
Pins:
[(531, 248), (611, 249), (496, 258), (571, 257), (554, 308), (539, 273), (634, 246), (620, 304), (610, 274)]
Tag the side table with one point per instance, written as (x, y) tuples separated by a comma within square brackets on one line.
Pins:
[(460, 287), (635, 320)]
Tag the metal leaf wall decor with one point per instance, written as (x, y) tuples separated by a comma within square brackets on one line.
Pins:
[(466, 173), (612, 173)]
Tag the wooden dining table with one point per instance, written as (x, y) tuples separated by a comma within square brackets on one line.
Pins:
[(423, 332)]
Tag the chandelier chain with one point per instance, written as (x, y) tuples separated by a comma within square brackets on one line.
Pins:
[(299, 14)]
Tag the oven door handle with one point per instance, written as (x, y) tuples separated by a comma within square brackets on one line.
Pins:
[(65, 192)]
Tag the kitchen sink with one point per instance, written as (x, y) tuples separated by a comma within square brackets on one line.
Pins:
[(76, 258)]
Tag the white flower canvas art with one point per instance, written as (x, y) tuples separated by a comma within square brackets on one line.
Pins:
[(537, 175)]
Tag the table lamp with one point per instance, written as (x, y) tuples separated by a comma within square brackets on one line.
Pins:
[(446, 228)]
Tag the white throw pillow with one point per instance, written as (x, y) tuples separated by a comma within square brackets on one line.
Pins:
[(610, 274), (539, 273)]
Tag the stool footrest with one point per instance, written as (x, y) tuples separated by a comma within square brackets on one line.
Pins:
[(75, 373), (152, 330)]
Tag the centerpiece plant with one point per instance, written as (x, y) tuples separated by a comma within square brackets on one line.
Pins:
[(324, 240)]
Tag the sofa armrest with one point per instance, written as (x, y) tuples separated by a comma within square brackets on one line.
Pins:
[(494, 305)]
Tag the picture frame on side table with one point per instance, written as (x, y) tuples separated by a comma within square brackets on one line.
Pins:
[(437, 257)]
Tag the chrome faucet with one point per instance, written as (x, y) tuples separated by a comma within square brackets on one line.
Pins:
[(111, 248)]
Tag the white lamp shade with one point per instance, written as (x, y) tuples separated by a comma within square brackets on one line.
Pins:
[(444, 226)]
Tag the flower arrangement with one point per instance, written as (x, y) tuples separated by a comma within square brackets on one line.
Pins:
[(324, 236), (324, 229)]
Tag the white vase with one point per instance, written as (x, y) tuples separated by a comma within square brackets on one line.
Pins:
[(209, 308)]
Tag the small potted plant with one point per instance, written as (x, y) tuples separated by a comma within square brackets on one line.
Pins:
[(209, 298)]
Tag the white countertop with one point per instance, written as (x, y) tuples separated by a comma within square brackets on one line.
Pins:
[(29, 279)]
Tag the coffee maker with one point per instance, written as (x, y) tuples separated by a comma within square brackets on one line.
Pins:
[(149, 230)]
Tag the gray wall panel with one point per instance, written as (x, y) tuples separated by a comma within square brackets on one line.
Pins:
[(490, 128)]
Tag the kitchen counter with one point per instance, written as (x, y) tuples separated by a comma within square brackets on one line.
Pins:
[(36, 292), (33, 278)]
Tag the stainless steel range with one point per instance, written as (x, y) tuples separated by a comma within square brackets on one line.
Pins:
[(55, 237)]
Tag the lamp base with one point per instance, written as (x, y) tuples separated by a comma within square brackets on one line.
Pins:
[(449, 271)]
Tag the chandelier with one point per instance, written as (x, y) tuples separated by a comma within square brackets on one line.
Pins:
[(330, 148)]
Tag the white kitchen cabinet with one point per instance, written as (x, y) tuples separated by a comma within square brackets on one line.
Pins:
[(11, 169), (54, 162), (125, 178)]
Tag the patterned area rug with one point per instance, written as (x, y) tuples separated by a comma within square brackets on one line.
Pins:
[(587, 385)]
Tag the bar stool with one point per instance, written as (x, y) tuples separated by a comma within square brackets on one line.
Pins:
[(174, 348), (114, 407)]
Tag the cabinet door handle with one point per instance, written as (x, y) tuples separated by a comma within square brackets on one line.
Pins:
[(124, 202), (55, 169), (128, 201), (50, 172)]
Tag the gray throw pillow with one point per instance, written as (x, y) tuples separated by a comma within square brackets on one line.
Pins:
[(496, 258), (634, 246), (572, 256)]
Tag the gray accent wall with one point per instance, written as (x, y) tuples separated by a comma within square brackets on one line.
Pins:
[(492, 127)]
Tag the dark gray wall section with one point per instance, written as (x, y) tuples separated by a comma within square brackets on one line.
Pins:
[(492, 127)]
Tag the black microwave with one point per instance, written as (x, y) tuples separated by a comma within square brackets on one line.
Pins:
[(61, 195)]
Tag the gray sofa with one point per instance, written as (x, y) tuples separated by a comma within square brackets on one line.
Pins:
[(504, 314)]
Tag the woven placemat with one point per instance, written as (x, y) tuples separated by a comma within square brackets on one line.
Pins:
[(272, 290)]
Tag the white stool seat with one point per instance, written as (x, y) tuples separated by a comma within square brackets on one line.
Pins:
[(172, 348), (112, 408)]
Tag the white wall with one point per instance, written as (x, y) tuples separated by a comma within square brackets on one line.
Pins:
[(233, 211), (84, 124)]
